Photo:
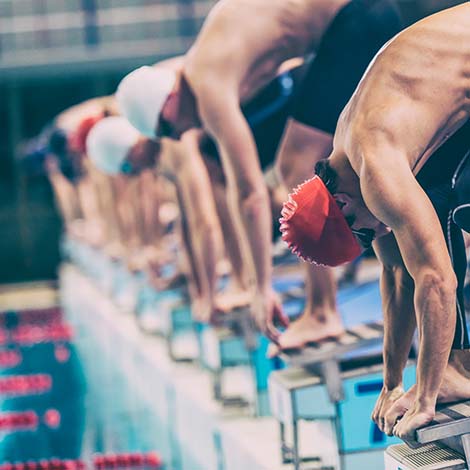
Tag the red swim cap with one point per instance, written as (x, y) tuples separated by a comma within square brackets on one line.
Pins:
[(77, 140), (314, 227)]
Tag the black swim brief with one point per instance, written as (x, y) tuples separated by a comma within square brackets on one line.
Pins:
[(445, 178), (461, 187), (350, 43)]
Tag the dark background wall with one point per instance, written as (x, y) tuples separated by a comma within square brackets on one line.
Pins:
[(55, 54), (29, 224)]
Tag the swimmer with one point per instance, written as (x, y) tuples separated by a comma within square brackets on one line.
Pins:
[(117, 147), (257, 37), (398, 174), (73, 182)]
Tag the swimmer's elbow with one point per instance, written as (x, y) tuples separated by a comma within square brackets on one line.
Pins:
[(431, 280)]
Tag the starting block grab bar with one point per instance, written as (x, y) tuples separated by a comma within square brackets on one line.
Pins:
[(443, 445)]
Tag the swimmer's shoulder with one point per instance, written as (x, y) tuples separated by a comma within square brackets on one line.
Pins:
[(71, 117)]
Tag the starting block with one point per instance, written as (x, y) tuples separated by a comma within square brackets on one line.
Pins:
[(238, 344), (327, 382), (324, 358), (297, 394), (445, 443), (235, 344), (168, 314)]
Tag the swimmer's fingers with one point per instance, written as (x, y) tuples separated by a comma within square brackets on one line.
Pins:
[(272, 333)]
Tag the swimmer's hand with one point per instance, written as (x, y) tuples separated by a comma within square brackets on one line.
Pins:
[(267, 311), (383, 406), (415, 418)]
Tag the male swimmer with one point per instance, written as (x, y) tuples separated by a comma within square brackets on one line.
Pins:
[(239, 51), (398, 173)]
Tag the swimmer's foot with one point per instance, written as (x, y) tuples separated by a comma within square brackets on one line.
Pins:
[(136, 262), (229, 301), (308, 328), (455, 387), (115, 251)]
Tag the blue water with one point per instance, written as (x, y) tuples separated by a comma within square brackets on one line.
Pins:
[(67, 397), (92, 398)]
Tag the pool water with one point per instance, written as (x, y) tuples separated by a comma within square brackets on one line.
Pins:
[(62, 398)]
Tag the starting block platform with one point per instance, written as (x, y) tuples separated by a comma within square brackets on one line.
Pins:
[(443, 445), (324, 358), (168, 314), (336, 381)]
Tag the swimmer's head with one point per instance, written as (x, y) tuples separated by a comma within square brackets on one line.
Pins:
[(69, 147), (115, 146), (142, 94), (157, 101), (324, 225), (77, 139), (314, 228)]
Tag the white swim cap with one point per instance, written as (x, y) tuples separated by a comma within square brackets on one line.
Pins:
[(142, 94), (109, 143)]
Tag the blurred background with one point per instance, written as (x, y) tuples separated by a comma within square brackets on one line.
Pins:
[(99, 361), (56, 53)]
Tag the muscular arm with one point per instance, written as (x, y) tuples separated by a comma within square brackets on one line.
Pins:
[(397, 291), (64, 192), (398, 308), (248, 200), (392, 193), (204, 229), (228, 126)]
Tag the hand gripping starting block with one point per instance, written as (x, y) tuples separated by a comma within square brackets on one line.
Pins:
[(331, 382), (444, 444)]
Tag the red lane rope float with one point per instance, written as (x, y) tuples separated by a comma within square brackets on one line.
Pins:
[(52, 418), (148, 460), (33, 384), (52, 464), (18, 421), (29, 335), (10, 358), (62, 353)]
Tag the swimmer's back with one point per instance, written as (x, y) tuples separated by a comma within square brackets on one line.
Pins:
[(404, 87)]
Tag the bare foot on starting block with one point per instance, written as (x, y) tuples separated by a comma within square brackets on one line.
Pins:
[(136, 262), (229, 301), (114, 250), (308, 328)]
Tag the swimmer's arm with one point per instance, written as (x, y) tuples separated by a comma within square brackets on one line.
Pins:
[(396, 288), (240, 160), (392, 193), (204, 229), (64, 192)]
